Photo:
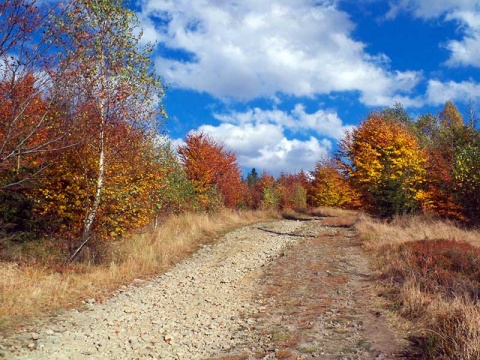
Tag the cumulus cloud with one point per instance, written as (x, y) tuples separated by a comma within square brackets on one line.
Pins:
[(265, 147), (464, 51), (439, 92), (467, 50), (258, 137), (324, 123), (427, 9), (250, 49)]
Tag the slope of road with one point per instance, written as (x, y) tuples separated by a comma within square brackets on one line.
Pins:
[(287, 289)]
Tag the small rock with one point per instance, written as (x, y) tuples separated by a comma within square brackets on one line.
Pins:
[(168, 339)]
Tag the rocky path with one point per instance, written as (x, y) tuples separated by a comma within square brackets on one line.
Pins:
[(282, 290)]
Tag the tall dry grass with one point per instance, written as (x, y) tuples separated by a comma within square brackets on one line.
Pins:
[(376, 233), (29, 291), (426, 276)]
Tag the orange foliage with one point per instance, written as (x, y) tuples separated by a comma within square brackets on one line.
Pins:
[(292, 191), (27, 130), (384, 161), (450, 116), (330, 188), (131, 193), (209, 166), (439, 188)]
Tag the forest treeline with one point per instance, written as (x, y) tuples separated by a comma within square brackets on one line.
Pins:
[(82, 156)]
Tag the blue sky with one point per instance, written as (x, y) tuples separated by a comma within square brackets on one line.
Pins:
[(279, 81)]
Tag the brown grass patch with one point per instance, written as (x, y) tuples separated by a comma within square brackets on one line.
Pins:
[(375, 233), (342, 221), (432, 269), (331, 212), (332, 216), (28, 291)]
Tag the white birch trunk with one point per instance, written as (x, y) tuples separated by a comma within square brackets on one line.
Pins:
[(92, 212)]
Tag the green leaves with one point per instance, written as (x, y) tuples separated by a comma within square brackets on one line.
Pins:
[(466, 176)]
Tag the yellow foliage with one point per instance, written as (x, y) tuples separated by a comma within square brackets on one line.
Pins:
[(131, 193), (330, 188), (383, 160)]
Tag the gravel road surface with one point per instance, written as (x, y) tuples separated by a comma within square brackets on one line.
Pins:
[(240, 298)]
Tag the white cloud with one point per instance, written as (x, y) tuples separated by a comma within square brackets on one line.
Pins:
[(258, 137), (264, 147), (430, 8), (465, 51), (325, 123), (439, 92), (251, 49)]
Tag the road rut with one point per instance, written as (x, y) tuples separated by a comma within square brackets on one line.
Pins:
[(287, 289)]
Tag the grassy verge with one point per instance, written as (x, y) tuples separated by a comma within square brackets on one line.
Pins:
[(330, 216), (35, 290), (431, 269)]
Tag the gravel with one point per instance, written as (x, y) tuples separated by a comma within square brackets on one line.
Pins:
[(198, 309)]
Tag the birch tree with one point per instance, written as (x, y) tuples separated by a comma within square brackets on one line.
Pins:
[(107, 68)]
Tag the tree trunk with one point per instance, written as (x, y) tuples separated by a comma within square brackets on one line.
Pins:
[(92, 212)]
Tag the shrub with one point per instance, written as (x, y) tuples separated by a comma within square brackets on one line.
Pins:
[(447, 267)]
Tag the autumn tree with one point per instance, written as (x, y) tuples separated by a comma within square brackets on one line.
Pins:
[(267, 187), (452, 166), (19, 20), (251, 194), (445, 137), (329, 187), (450, 116), (466, 176), (292, 190), (33, 131), (107, 71), (383, 160), (178, 192), (212, 169), (30, 126)]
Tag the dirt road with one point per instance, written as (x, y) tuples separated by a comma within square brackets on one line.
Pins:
[(282, 290)]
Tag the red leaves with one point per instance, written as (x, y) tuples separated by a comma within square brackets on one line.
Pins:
[(292, 191), (26, 128), (209, 166)]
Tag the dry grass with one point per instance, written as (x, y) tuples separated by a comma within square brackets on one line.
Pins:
[(29, 291), (332, 216), (342, 221), (376, 233), (429, 266), (324, 211)]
